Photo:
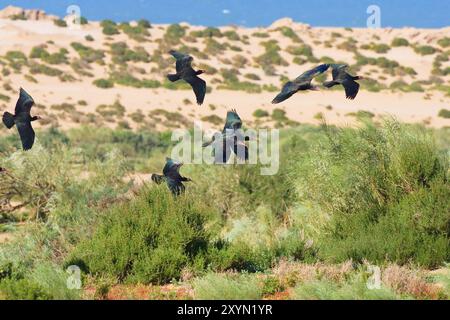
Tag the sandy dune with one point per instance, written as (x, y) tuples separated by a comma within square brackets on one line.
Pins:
[(413, 107)]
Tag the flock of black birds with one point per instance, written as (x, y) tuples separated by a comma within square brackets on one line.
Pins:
[(225, 143)]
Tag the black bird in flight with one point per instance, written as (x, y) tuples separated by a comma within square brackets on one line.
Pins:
[(340, 76), (187, 73), (171, 175), (230, 140), (22, 119), (303, 82)]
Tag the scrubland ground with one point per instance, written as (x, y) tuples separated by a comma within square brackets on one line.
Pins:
[(344, 200)]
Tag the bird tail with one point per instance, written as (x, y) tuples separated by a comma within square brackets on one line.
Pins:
[(8, 120), (329, 84), (173, 77), (158, 179)]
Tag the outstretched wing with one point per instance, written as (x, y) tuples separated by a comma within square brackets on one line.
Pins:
[(199, 87), (351, 88), (183, 60), (26, 133), (307, 76), (24, 103), (288, 90), (338, 69), (233, 121)]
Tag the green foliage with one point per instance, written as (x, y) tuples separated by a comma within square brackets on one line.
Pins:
[(121, 54), (23, 289), (60, 23), (4, 98), (355, 289), (377, 47), (214, 119), (271, 57), (103, 83), (232, 35), (425, 50), (88, 54), (259, 113), (400, 42), (288, 32), (114, 110), (174, 33), (444, 113), (55, 58), (444, 42), (109, 27), (138, 33), (373, 183), (148, 240), (209, 32), (261, 35), (37, 68), (227, 287)]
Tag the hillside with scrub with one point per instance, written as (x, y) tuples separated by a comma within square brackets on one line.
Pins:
[(112, 74), (363, 186)]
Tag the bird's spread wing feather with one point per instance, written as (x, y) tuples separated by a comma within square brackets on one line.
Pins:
[(233, 121), (26, 133), (24, 103), (288, 90), (337, 70), (351, 88), (307, 76), (199, 86), (183, 60)]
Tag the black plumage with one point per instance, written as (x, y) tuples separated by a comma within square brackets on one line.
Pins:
[(301, 83), (22, 119), (342, 77), (187, 73), (230, 140), (171, 175)]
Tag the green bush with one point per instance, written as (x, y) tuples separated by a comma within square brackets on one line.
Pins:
[(22, 289), (88, 54), (174, 33), (36, 68), (109, 27), (377, 47), (103, 83), (444, 42), (259, 113), (384, 192), (444, 113), (227, 287), (148, 240), (425, 50), (355, 289), (288, 32), (400, 42), (60, 23)]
